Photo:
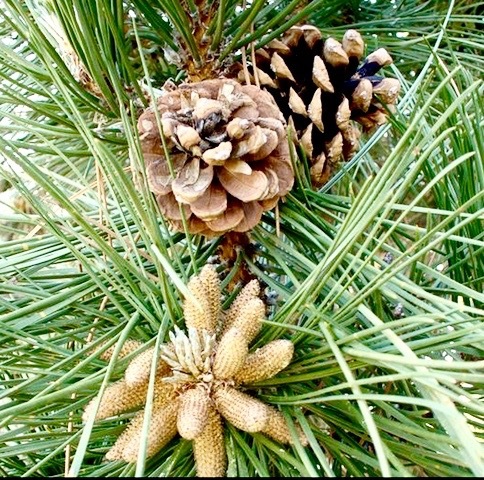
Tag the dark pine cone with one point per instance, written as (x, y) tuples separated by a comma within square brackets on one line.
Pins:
[(320, 90)]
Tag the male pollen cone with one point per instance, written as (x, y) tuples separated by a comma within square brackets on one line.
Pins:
[(228, 158)]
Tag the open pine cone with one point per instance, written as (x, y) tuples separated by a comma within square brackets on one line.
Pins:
[(228, 158), (319, 87)]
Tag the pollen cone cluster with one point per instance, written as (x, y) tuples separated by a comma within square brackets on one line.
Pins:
[(203, 379), (224, 159), (323, 87)]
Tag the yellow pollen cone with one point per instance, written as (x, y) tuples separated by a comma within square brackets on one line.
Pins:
[(162, 429), (117, 398), (209, 448), (249, 318), (209, 278), (266, 362), (200, 373), (197, 309), (138, 370), (242, 411), (278, 429), (250, 291), (128, 347), (231, 354), (193, 412)]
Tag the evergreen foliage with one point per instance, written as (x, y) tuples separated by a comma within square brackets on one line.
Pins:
[(377, 277)]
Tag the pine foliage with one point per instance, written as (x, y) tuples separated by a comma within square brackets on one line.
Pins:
[(376, 277)]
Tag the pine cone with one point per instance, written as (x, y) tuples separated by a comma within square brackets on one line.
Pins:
[(228, 155), (319, 88)]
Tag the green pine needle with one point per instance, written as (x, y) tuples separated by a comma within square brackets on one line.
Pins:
[(377, 278)]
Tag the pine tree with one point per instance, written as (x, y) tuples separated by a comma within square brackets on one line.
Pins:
[(324, 317)]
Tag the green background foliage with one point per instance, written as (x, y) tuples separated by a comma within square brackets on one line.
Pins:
[(377, 277)]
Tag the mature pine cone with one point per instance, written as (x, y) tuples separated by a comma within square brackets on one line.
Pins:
[(228, 155), (320, 88)]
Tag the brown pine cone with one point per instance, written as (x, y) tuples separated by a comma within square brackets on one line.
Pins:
[(228, 155), (320, 90)]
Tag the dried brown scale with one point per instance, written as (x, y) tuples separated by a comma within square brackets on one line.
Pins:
[(313, 79), (198, 388), (228, 151)]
